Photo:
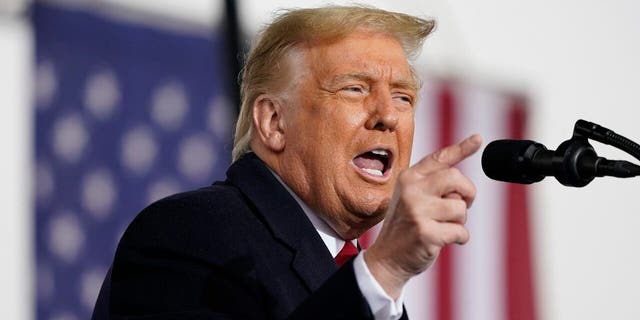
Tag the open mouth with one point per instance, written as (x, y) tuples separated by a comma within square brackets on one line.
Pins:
[(376, 162)]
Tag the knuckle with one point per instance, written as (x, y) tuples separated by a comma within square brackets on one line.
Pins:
[(464, 235), (459, 211), (454, 172), (439, 155), (465, 215), (435, 208), (409, 195), (460, 235), (461, 207), (433, 251), (474, 190)]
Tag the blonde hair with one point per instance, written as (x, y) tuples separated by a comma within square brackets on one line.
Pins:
[(263, 67)]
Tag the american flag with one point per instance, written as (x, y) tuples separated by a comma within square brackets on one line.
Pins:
[(491, 277), (125, 114)]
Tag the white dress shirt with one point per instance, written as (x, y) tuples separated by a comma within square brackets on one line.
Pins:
[(382, 306)]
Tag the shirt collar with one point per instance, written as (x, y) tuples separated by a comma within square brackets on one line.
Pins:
[(330, 238)]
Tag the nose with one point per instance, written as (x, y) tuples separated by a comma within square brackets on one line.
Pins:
[(384, 115)]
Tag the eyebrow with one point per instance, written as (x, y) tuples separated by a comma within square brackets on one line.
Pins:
[(362, 76)]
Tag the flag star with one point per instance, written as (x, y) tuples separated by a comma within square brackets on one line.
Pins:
[(65, 236), (99, 193), (196, 158), (70, 137), (138, 149), (162, 188), (220, 118), (90, 284), (102, 94), (169, 105)]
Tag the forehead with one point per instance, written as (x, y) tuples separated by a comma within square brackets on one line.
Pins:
[(362, 52)]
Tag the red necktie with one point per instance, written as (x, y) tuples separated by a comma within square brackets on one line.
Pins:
[(348, 251)]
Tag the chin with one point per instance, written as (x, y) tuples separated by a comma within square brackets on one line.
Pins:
[(371, 211), (361, 217), (377, 199)]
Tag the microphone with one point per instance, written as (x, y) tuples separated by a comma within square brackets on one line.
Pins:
[(575, 163)]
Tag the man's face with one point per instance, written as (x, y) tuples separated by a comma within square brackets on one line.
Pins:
[(348, 128)]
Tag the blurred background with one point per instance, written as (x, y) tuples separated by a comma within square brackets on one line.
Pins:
[(108, 105)]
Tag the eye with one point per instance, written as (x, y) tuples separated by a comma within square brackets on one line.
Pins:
[(404, 98), (354, 89)]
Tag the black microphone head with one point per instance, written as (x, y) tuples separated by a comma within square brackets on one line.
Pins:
[(510, 161)]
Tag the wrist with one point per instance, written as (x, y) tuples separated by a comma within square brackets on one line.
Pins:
[(390, 279)]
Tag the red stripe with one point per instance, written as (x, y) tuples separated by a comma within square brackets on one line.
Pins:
[(444, 297), (519, 284)]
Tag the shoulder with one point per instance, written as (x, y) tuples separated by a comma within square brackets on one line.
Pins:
[(201, 203), (194, 219)]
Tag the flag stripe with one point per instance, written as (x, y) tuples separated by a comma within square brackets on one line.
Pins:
[(447, 114), (520, 304)]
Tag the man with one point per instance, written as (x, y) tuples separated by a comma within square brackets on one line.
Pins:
[(321, 155)]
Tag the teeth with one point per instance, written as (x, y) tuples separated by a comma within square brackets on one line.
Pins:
[(379, 152), (373, 172)]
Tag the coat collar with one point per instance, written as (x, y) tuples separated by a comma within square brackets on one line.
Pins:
[(284, 217)]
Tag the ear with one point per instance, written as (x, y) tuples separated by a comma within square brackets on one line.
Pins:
[(268, 122)]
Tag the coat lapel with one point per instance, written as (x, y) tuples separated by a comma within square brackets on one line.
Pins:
[(284, 217)]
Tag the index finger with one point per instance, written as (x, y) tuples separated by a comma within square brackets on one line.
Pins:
[(449, 156)]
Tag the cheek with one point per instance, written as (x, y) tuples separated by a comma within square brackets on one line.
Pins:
[(339, 127), (355, 118), (405, 142), (347, 114)]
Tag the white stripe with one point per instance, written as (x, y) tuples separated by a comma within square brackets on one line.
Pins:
[(426, 126), (479, 265), (419, 293), (17, 233)]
